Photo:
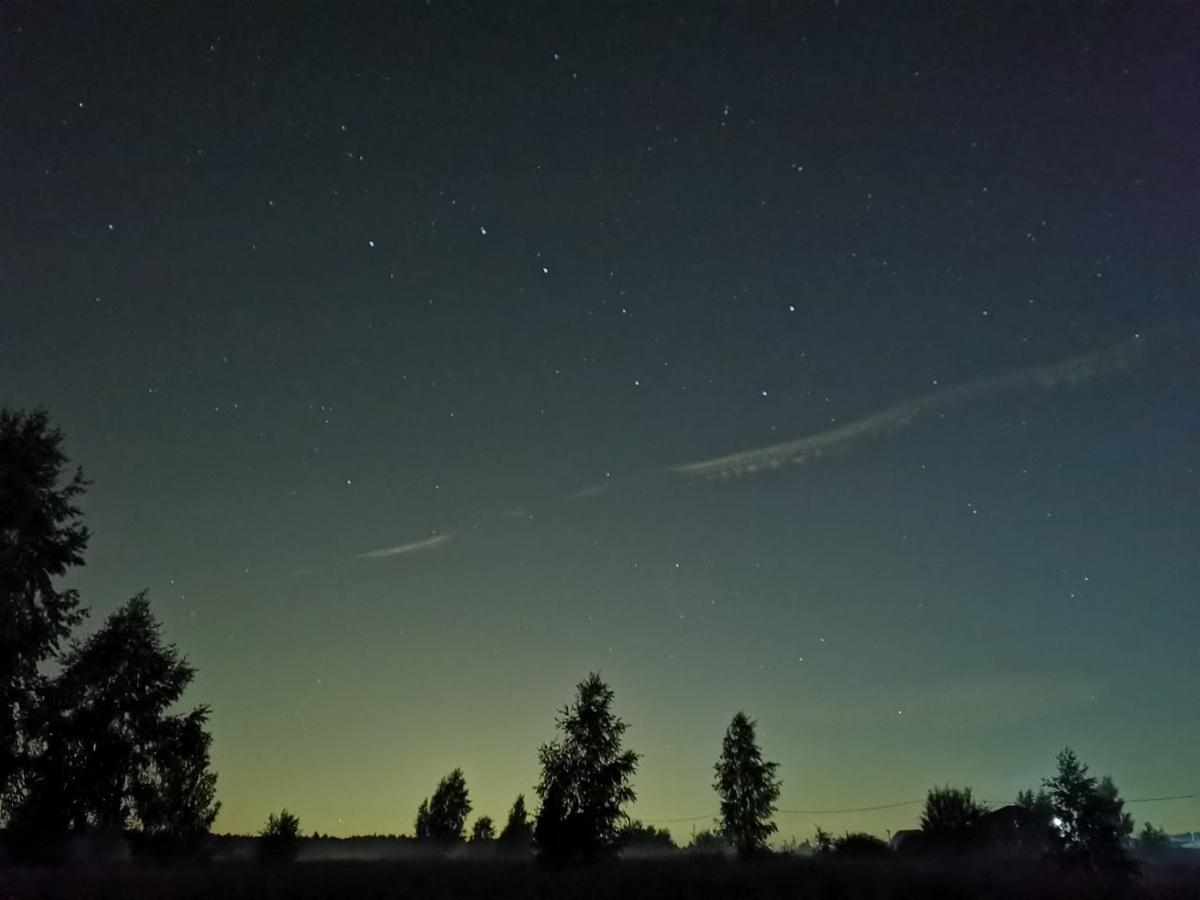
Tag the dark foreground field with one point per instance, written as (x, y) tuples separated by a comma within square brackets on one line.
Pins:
[(658, 879)]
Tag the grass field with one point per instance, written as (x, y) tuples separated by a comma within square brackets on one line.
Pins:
[(660, 879)]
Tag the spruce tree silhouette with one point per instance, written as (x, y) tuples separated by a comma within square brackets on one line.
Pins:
[(748, 789), (585, 779)]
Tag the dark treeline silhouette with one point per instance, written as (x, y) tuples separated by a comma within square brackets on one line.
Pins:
[(1074, 818), (89, 747)]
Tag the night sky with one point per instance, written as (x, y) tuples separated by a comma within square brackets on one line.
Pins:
[(834, 361)]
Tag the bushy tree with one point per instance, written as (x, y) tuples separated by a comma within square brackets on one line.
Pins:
[(110, 757), (951, 817), (175, 796), (518, 829), (639, 836), (483, 829), (1039, 803), (422, 827), (1087, 825), (748, 788), (860, 844), (1114, 806), (823, 841), (709, 842), (1153, 841), (279, 841), (443, 817), (585, 780), (40, 538), (1035, 818)]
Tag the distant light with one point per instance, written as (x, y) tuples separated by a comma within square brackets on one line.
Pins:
[(791, 308), (371, 244), (482, 230), (637, 383), (557, 57), (764, 393), (110, 226), (545, 271)]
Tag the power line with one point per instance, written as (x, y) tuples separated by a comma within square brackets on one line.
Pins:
[(862, 809), (1133, 800), (684, 819), (797, 812), (857, 809)]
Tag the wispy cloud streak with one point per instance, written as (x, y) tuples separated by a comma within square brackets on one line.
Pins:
[(592, 490), (813, 446), (432, 543)]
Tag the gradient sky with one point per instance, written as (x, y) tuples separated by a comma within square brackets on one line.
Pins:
[(380, 330)]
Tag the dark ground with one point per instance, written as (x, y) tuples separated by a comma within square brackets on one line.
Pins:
[(658, 879)]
